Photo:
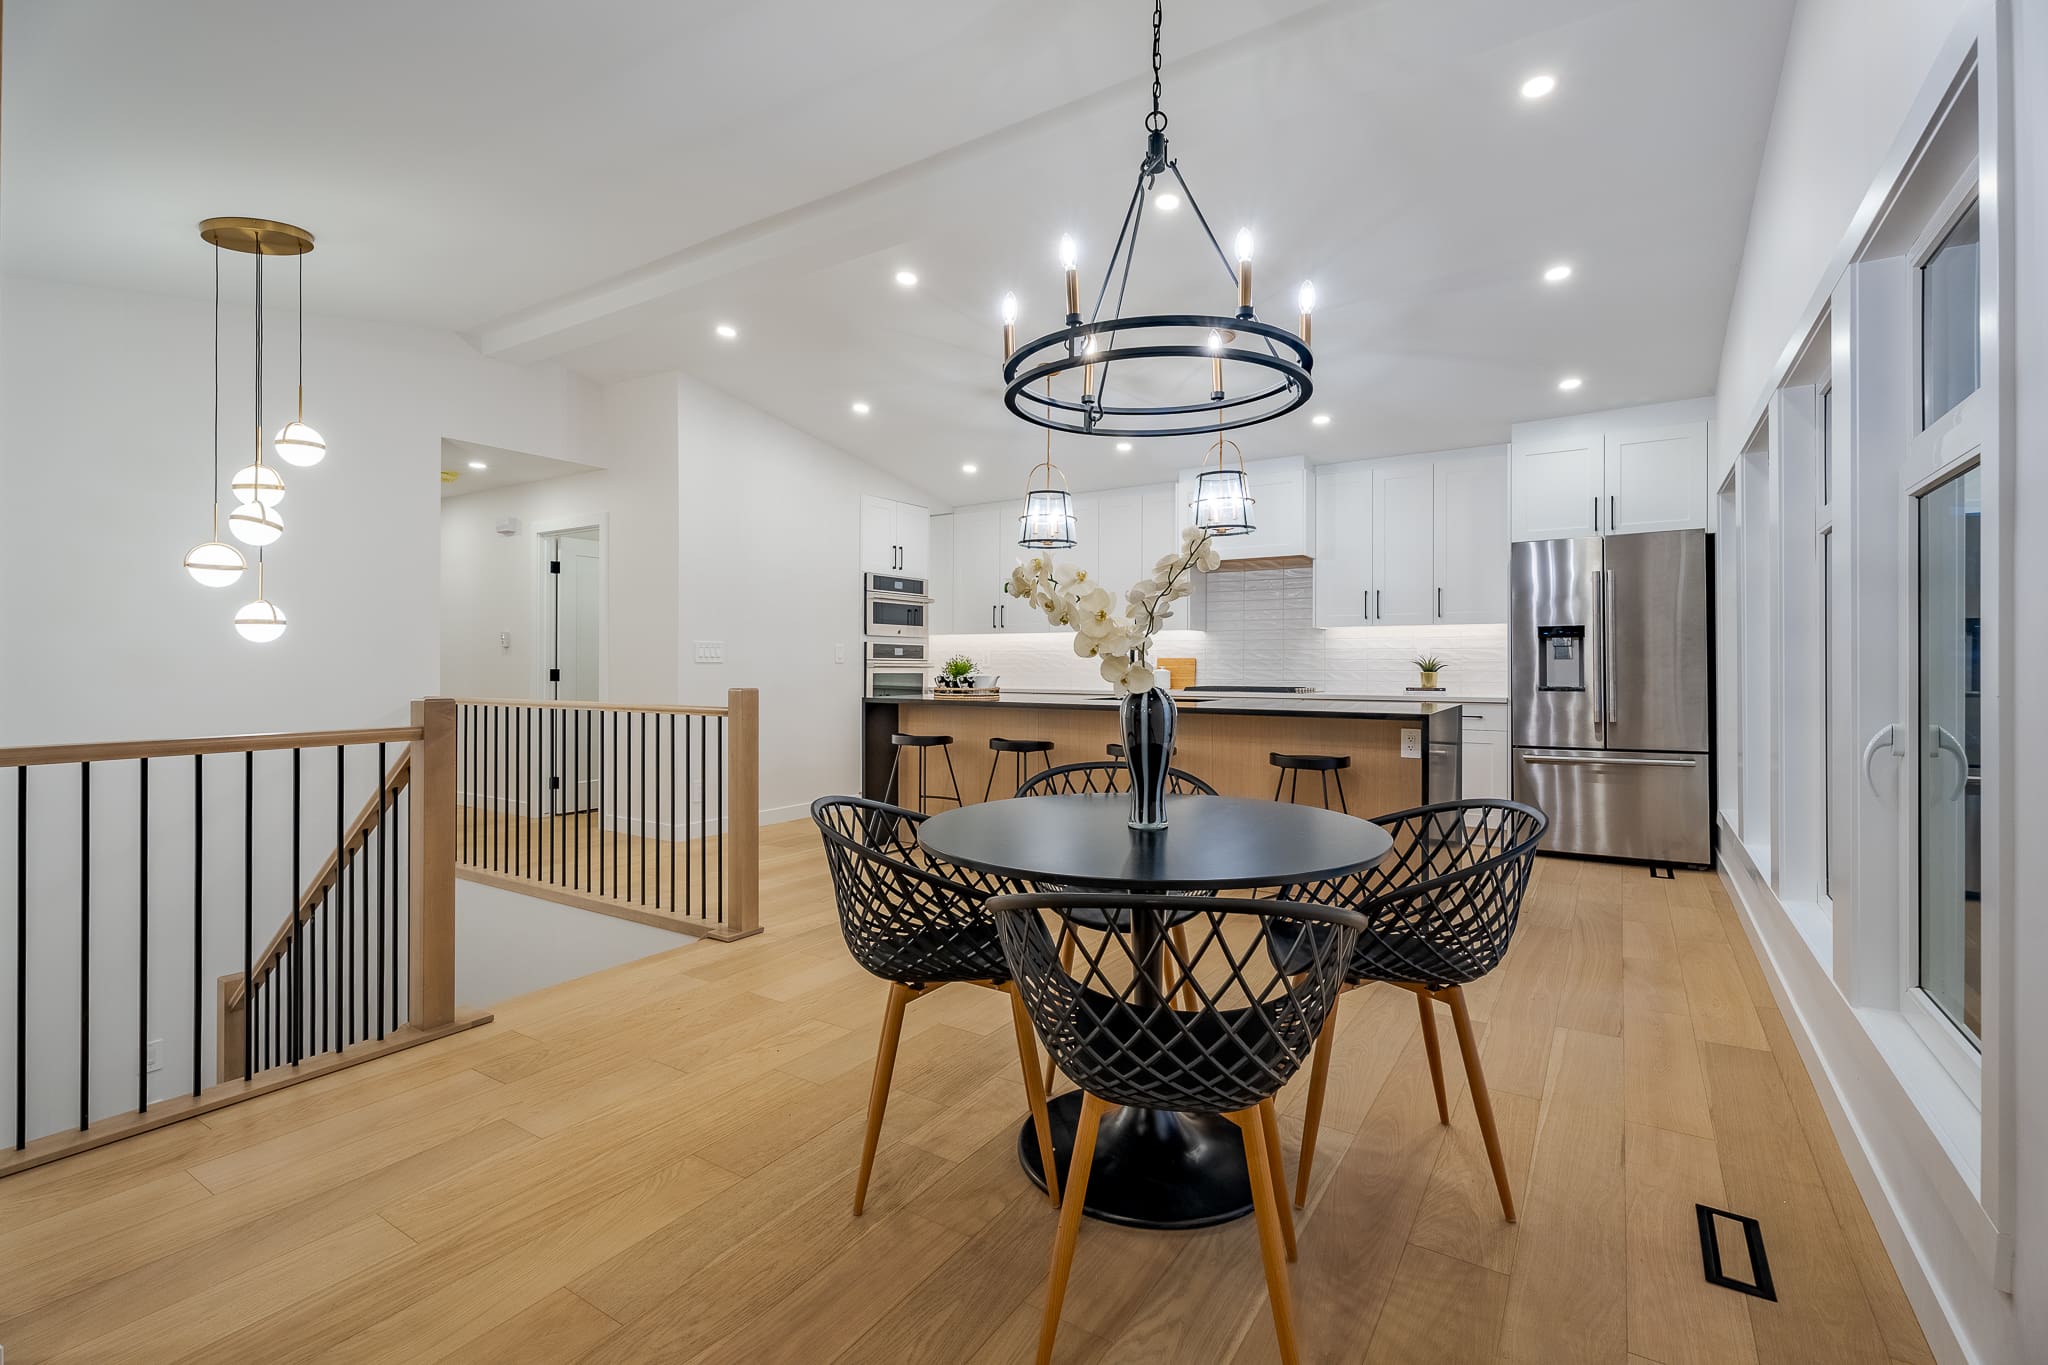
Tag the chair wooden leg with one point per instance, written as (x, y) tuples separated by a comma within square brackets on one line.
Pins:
[(1482, 1103), (1272, 1245), (1269, 1124), (1318, 1079), (1034, 1091), (1188, 1001), (1436, 1056), (1092, 1110), (900, 997)]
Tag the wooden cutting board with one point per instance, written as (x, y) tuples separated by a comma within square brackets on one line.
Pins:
[(1179, 672)]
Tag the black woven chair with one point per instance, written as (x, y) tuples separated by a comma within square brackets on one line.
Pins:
[(919, 924), (1440, 911), (1094, 779), (1113, 1028)]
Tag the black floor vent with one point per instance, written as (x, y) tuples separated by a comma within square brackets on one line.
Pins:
[(1753, 1238)]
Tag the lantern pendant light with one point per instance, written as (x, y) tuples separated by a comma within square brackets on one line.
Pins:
[(213, 563), (1223, 497), (296, 442), (1048, 520)]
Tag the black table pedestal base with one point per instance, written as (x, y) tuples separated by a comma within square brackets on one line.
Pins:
[(1153, 1168)]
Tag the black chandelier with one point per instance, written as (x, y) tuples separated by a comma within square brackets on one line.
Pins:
[(1280, 358)]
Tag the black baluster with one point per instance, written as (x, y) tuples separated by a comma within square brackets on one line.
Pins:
[(297, 889), (336, 994), (687, 740), (142, 948), (721, 819), (21, 959), (704, 795), (383, 850), (84, 941), (643, 807), (678, 812), (248, 911), (198, 914), (658, 840)]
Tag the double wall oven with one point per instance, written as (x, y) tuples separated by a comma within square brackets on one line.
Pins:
[(896, 624)]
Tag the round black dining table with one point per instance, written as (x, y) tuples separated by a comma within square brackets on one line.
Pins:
[(1153, 1168)]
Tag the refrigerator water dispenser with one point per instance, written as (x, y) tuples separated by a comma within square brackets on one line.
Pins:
[(1561, 658)]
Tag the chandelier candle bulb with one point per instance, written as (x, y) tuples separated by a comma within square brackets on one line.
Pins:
[(1244, 273), (1215, 366), (1088, 373), (1070, 259), (1009, 324), (1307, 299)]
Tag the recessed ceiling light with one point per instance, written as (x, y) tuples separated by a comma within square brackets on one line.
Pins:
[(1321, 419), (1123, 447), (860, 409), (1557, 274), (906, 278), (1166, 203), (968, 468), (1569, 382), (478, 464), (726, 330), (1536, 87)]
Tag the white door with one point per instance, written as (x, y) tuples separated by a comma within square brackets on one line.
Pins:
[(1656, 480), (1344, 535), (878, 535), (913, 540), (1403, 544), (976, 577), (1472, 540), (1554, 487)]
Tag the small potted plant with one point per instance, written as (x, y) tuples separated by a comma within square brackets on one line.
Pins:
[(957, 675), (1430, 666)]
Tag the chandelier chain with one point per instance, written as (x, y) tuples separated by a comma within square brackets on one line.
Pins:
[(1156, 120)]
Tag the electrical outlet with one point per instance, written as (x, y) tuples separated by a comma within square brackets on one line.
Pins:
[(1411, 744), (710, 651), (155, 1055)]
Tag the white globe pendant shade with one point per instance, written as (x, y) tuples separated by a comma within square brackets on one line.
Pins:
[(254, 524), (260, 622), (258, 483), (214, 564), (296, 443)]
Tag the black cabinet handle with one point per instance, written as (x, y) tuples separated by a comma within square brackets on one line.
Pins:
[(1612, 520), (1365, 603), (1596, 513), (1377, 610), (991, 617), (1439, 604)]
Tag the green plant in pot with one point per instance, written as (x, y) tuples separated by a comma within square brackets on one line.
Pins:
[(1429, 665), (957, 673)]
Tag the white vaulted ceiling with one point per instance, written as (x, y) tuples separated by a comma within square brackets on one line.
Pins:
[(604, 183)]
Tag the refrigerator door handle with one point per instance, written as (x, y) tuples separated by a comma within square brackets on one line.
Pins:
[(1612, 762), (1600, 640), (1607, 685)]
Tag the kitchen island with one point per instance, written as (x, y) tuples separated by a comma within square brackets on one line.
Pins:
[(1224, 738)]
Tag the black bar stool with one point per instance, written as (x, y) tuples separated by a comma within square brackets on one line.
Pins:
[(922, 743), (1294, 765), (1022, 749)]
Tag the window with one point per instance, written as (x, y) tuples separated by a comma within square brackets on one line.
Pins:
[(1950, 348), (1950, 757)]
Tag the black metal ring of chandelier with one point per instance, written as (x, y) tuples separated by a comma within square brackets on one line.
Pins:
[(1044, 409)]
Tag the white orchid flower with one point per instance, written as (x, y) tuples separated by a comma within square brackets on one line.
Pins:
[(1095, 623), (1140, 678), (1115, 668), (1210, 558), (1086, 646)]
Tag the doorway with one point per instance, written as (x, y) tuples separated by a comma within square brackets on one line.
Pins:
[(570, 661)]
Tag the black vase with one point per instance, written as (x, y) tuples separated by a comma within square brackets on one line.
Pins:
[(1148, 719)]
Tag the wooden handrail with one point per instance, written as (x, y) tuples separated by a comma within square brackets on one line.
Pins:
[(369, 818), (43, 754), (649, 710)]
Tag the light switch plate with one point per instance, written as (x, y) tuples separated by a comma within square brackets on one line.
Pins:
[(1411, 744), (710, 651), (839, 654), (155, 1060)]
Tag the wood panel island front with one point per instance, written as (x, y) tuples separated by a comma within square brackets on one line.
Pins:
[(1225, 738)]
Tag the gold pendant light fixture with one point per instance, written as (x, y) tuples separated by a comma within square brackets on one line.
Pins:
[(258, 487)]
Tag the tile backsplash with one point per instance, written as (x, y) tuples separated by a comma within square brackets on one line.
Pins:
[(1259, 632)]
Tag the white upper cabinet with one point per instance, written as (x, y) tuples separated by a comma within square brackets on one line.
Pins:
[(1344, 535), (1118, 536), (895, 537), (1413, 540), (979, 569), (941, 576), (1554, 486), (1657, 479), (1472, 539), (1403, 553), (1610, 473), (1116, 540)]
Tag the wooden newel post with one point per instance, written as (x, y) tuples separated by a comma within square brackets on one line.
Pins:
[(433, 863), (743, 812), (228, 1039)]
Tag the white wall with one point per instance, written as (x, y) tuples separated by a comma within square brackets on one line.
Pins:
[(507, 944), (1852, 70), (488, 580), (768, 537), (105, 399)]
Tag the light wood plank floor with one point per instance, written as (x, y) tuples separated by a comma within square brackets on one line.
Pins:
[(656, 1163)]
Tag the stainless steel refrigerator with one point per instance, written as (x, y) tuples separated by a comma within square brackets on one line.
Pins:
[(1612, 670)]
